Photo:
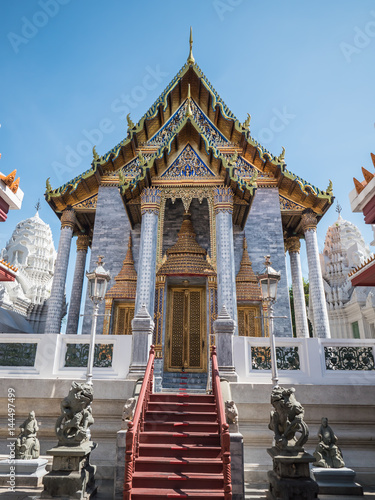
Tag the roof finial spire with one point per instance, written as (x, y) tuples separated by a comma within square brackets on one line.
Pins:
[(188, 108), (191, 59), (37, 206), (338, 209)]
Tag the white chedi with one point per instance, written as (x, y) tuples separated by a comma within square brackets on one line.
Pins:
[(32, 251), (344, 250)]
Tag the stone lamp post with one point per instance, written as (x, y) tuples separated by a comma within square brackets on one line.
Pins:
[(98, 281), (268, 281)]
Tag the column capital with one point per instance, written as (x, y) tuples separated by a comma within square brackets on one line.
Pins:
[(292, 244), (83, 241), (150, 200), (308, 220), (223, 199), (68, 218)]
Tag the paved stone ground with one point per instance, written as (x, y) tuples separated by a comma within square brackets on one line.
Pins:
[(254, 492)]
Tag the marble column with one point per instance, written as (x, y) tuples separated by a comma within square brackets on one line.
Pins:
[(226, 276), (142, 324), (83, 241), (150, 206), (316, 289), (56, 300), (293, 246), (142, 330)]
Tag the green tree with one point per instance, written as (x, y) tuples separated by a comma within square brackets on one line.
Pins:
[(306, 291)]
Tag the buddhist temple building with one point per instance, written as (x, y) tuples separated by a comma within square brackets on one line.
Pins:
[(184, 209), (350, 309), (31, 252)]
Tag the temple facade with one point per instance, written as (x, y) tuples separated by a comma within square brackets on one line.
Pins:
[(184, 210)]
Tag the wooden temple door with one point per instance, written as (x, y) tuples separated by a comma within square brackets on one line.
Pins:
[(186, 345)]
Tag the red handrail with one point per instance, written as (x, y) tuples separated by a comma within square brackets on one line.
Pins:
[(223, 426), (137, 425)]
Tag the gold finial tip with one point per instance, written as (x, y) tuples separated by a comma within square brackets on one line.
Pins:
[(191, 59), (188, 108)]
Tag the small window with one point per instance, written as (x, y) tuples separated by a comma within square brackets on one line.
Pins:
[(355, 330), (249, 321)]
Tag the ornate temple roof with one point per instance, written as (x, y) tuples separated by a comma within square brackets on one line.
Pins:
[(186, 256), (7, 271), (362, 199), (11, 195), (190, 105), (247, 285), (125, 286)]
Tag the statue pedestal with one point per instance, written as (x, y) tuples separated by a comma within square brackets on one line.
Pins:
[(23, 472), (336, 481), (290, 478), (72, 475)]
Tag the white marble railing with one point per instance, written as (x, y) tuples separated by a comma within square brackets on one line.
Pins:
[(63, 356), (307, 360), (301, 360)]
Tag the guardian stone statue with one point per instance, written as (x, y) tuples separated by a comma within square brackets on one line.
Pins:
[(27, 444), (327, 453)]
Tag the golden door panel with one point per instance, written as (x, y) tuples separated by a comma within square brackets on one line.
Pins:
[(249, 321), (186, 345)]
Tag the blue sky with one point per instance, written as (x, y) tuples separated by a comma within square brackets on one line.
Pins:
[(66, 65)]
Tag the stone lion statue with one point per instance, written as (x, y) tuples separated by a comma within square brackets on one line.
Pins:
[(27, 444), (72, 426), (231, 412), (287, 420)]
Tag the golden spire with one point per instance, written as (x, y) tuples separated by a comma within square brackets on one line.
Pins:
[(191, 59), (247, 285), (188, 108), (126, 281)]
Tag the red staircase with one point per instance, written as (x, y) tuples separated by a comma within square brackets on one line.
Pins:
[(181, 449)]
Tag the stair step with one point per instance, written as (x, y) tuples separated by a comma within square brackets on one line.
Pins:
[(182, 406), (189, 380), (185, 426), (177, 451), (189, 390), (181, 416), (191, 480), (163, 493), (170, 464), (191, 398), (178, 437)]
